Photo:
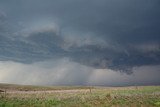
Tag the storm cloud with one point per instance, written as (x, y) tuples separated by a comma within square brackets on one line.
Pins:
[(65, 72), (98, 37)]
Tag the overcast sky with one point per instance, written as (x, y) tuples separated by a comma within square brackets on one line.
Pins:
[(80, 42)]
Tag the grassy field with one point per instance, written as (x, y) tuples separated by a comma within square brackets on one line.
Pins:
[(37, 96)]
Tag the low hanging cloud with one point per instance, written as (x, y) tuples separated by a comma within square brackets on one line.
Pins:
[(44, 44), (57, 72), (65, 72), (93, 41)]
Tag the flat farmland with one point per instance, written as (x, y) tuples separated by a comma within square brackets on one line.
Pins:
[(78, 96)]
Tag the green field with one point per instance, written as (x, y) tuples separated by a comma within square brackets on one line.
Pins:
[(69, 96)]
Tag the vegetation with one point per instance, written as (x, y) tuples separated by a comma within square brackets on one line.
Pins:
[(142, 96), (39, 88)]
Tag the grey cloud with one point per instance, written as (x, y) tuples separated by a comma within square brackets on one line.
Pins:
[(112, 34), (147, 47), (144, 75), (54, 72), (65, 72)]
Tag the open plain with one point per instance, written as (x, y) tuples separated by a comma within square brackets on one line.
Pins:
[(78, 96)]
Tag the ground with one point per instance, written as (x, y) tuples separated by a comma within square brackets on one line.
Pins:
[(79, 96)]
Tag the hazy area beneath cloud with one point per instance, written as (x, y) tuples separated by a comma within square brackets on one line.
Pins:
[(80, 42), (65, 72)]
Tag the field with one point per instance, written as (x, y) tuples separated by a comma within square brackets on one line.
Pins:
[(69, 96)]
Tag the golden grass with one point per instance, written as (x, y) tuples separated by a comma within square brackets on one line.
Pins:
[(142, 96)]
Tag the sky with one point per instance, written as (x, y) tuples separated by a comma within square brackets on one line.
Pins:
[(80, 42)]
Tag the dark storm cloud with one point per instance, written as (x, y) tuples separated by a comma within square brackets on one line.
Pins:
[(110, 34)]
